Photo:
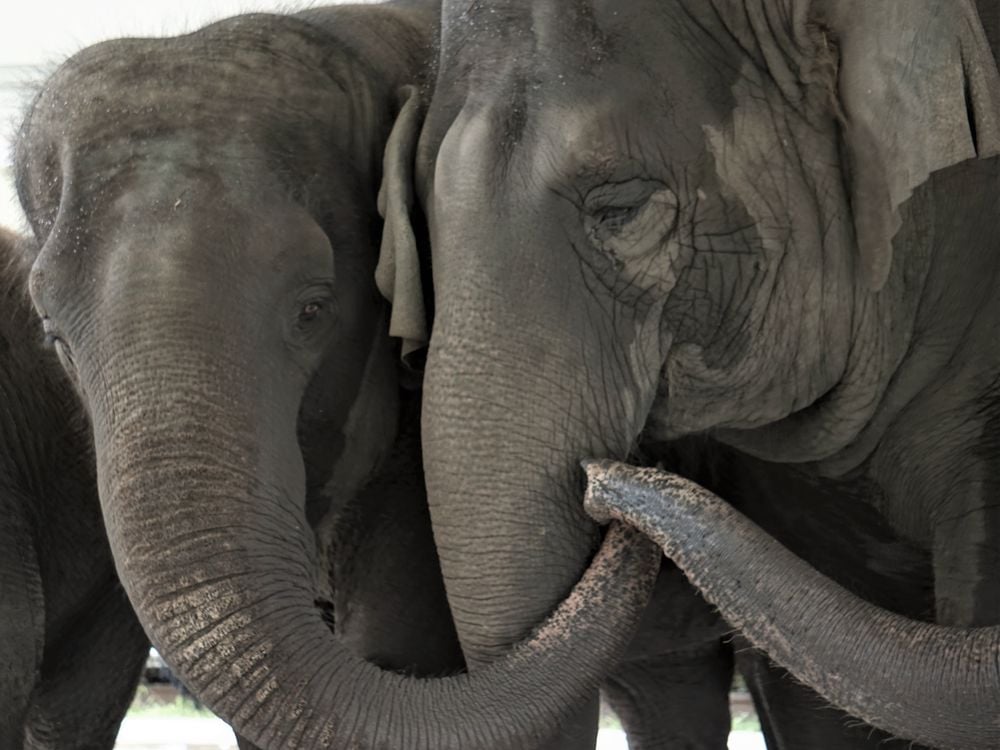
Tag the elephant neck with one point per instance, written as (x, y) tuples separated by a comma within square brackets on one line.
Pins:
[(922, 347), (937, 454), (946, 382), (930, 444)]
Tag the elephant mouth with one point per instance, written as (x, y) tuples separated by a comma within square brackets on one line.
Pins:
[(675, 455)]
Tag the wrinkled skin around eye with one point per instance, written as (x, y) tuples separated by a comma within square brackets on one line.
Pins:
[(634, 229)]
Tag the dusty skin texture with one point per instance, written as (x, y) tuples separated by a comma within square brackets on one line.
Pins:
[(830, 639), (662, 219)]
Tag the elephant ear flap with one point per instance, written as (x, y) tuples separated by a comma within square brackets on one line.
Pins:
[(398, 274), (917, 90)]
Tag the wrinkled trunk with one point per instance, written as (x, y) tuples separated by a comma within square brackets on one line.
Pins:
[(520, 384), (937, 685), (202, 488), (504, 489)]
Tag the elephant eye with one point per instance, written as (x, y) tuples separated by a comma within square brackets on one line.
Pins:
[(52, 338), (65, 355), (310, 311), (614, 219), (629, 220), (314, 311), (54, 341)]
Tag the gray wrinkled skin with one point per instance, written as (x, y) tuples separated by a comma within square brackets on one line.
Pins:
[(65, 623), (656, 219), (832, 640)]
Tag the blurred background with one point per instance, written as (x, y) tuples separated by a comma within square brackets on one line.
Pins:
[(35, 37)]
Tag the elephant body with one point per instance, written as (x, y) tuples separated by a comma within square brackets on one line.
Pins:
[(651, 220), (989, 14), (834, 526), (65, 621), (389, 599)]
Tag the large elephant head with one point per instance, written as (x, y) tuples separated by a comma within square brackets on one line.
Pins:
[(206, 210), (656, 218)]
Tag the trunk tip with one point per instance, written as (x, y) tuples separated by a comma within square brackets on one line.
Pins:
[(596, 500)]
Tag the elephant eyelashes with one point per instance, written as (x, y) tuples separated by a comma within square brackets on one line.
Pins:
[(613, 220), (52, 339), (630, 219)]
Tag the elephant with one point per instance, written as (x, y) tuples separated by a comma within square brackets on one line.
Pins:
[(791, 715), (956, 207), (64, 620), (222, 220), (660, 219)]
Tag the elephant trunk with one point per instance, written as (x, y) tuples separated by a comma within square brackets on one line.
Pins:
[(508, 524), (939, 686), (512, 402), (202, 490)]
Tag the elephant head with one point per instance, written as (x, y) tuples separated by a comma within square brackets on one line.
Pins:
[(652, 219), (206, 208)]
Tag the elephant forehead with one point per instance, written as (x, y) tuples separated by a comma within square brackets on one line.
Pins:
[(246, 75), (583, 103), (570, 141)]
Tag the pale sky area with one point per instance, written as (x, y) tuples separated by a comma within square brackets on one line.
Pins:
[(39, 31), (37, 34)]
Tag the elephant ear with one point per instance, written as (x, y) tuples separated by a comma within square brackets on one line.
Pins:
[(917, 90), (398, 274), (989, 14)]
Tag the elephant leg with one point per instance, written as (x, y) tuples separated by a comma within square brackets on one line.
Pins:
[(793, 717), (90, 671), (675, 701), (22, 625), (245, 744)]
